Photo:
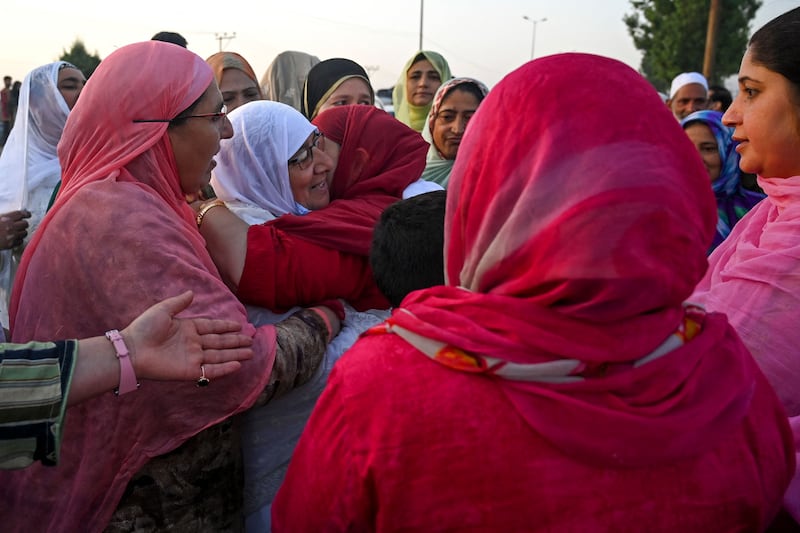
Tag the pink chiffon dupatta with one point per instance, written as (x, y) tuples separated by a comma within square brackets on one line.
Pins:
[(119, 238), (754, 278)]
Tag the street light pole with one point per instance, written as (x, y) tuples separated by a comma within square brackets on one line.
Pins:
[(533, 36), (421, 13)]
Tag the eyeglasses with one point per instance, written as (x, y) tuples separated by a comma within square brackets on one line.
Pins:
[(220, 114), (305, 156)]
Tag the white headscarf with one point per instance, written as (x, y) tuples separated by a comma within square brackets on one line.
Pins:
[(29, 167), (252, 173)]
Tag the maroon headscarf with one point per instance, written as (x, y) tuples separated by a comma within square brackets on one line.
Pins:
[(379, 158)]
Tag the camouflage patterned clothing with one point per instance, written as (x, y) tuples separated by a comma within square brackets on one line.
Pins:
[(198, 486)]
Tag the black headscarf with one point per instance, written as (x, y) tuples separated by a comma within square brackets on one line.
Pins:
[(324, 78)]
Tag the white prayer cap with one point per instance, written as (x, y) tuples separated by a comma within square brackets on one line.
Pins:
[(685, 78)]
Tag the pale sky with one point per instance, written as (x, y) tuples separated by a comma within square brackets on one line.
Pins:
[(485, 39)]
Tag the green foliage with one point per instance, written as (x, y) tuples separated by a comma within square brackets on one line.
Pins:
[(79, 57), (672, 35)]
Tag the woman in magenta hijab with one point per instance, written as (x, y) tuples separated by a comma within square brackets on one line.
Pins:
[(557, 381), (119, 237)]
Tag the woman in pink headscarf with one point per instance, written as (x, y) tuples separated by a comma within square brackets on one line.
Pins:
[(754, 276), (119, 237), (557, 381)]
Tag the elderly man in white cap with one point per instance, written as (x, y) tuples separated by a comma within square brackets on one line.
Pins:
[(688, 93)]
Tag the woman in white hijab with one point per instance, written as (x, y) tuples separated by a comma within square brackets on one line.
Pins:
[(255, 179), (29, 167)]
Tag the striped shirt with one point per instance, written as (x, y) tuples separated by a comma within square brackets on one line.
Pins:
[(34, 383)]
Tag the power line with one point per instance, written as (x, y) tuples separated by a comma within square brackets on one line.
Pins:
[(224, 37)]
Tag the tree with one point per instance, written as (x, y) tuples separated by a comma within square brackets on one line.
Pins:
[(79, 57), (672, 35)]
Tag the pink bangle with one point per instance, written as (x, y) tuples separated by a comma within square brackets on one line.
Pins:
[(325, 319), (127, 377)]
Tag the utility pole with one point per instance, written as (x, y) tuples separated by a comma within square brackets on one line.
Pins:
[(710, 56), (421, 11), (224, 37)]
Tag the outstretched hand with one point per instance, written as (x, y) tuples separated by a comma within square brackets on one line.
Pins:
[(167, 348)]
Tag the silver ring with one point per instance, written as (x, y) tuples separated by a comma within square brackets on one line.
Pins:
[(203, 381)]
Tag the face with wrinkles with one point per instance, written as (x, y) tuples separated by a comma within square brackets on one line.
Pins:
[(195, 139), (309, 168)]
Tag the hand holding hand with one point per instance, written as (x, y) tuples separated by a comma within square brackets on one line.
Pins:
[(167, 348)]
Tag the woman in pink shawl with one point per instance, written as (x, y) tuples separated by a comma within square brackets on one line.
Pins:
[(119, 237), (754, 275), (556, 382)]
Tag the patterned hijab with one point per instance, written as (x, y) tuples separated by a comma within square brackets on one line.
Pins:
[(437, 168), (571, 242), (733, 200), (404, 111)]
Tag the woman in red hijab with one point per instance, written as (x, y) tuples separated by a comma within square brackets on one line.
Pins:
[(557, 381), (376, 159)]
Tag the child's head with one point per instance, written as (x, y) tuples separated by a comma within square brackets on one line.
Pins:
[(408, 246)]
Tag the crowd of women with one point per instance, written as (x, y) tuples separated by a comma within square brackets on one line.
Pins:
[(485, 312)]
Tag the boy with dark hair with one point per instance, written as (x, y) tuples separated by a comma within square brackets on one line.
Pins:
[(170, 37), (407, 250), (719, 98)]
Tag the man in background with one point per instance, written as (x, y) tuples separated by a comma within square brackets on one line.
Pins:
[(719, 98), (5, 109), (687, 94)]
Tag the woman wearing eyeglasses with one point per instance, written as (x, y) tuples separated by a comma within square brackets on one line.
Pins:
[(313, 197), (274, 165), (120, 237), (367, 159)]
